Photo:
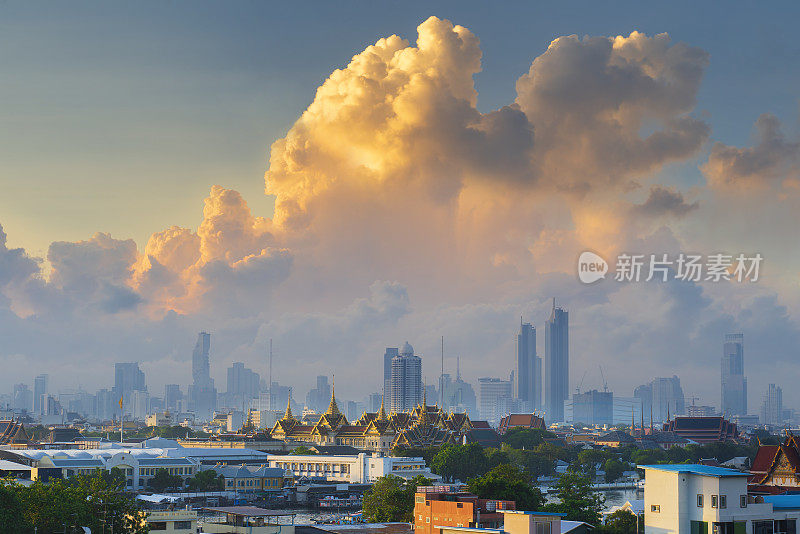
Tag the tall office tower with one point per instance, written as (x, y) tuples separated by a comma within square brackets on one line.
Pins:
[(202, 393), (22, 398), (172, 396), (772, 406), (593, 407), (556, 363), (528, 374), (495, 398), (663, 397), (390, 353), (127, 379), (319, 397), (406, 381), (243, 385), (39, 393), (734, 383)]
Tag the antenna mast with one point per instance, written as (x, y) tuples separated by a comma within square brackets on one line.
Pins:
[(270, 374), (441, 380)]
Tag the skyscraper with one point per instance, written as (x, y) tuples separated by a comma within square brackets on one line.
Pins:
[(495, 398), (406, 381), (734, 383), (663, 397), (556, 363), (593, 407), (318, 398), (127, 379), (528, 374), (390, 353), (39, 393), (243, 385), (202, 393), (772, 406), (172, 395)]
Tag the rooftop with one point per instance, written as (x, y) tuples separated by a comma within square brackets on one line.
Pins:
[(697, 469), (783, 502)]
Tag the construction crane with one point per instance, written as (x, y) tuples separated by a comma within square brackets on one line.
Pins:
[(578, 389)]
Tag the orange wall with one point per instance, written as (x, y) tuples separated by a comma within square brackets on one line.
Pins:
[(441, 513)]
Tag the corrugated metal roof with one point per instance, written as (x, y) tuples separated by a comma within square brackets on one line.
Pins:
[(698, 469)]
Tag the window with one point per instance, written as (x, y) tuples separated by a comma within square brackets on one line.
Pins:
[(699, 501), (183, 525), (543, 527), (158, 525), (655, 508), (762, 527), (715, 501), (742, 501), (427, 519), (785, 526), (723, 501)]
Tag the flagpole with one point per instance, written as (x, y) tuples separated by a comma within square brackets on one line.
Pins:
[(121, 420)]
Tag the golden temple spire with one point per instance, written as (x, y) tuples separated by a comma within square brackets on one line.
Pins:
[(333, 408), (382, 412), (288, 415)]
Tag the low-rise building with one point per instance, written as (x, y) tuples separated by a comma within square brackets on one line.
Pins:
[(437, 507), (700, 499), (360, 468), (182, 521), (251, 479)]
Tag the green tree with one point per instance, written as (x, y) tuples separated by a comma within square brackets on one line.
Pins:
[(460, 462), (577, 499), (11, 509), (163, 480), (302, 450), (621, 522), (391, 499), (508, 483), (525, 438), (206, 480), (614, 469)]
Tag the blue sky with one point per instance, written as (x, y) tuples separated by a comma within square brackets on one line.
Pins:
[(119, 117)]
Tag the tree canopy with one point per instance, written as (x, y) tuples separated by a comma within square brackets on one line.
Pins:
[(577, 499), (507, 483), (391, 499)]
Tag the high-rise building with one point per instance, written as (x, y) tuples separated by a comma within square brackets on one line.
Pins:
[(127, 379), (172, 396), (772, 406), (593, 407), (22, 398), (318, 398), (527, 385), (406, 382), (663, 397), (202, 393), (459, 396), (40, 393), (390, 353), (495, 398), (734, 383), (243, 385), (556, 363)]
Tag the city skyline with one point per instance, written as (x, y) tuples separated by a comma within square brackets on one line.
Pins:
[(212, 199)]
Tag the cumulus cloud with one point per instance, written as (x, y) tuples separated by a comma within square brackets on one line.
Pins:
[(665, 201), (772, 160), (466, 219)]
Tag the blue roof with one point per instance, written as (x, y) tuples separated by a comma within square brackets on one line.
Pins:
[(783, 502), (698, 469)]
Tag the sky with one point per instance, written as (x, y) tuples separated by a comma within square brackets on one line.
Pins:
[(293, 171)]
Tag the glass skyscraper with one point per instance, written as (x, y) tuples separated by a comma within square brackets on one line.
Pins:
[(406, 382), (528, 373), (556, 363), (734, 383)]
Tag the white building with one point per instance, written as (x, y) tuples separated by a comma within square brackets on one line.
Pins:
[(356, 469), (700, 499)]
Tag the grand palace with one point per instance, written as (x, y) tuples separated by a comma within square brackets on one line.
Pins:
[(424, 426)]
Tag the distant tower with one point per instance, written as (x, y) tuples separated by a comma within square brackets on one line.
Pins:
[(556, 363), (733, 398), (528, 375), (406, 381), (202, 393), (390, 353)]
